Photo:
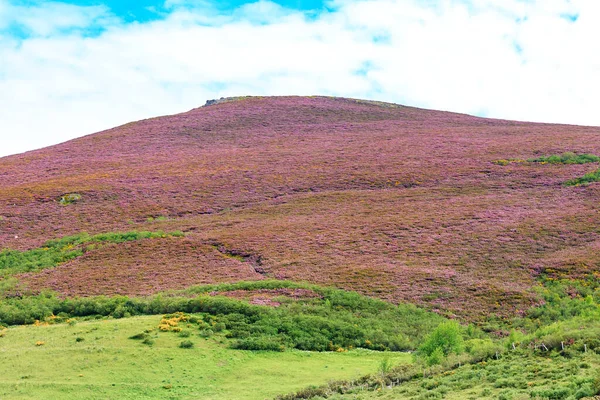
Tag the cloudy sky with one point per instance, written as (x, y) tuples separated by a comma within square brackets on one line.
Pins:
[(74, 67)]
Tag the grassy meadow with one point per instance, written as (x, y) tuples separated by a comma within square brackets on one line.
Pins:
[(97, 360)]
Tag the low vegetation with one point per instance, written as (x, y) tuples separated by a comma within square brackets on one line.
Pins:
[(518, 375), (553, 352), (586, 179), (566, 158), (335, 321)]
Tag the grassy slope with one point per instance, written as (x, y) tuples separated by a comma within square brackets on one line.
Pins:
[(106, 364), (514, 377), (551, 353)]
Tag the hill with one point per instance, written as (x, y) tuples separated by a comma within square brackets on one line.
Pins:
[(399, 203)]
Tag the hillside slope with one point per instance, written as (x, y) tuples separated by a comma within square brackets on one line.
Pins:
[(396, 202)]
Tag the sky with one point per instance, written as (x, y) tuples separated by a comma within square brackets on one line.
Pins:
[(74, 67)]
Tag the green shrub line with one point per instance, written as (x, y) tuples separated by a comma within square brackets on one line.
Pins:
[(339, 319), (56, 252), (336, 321), (566, 158), (585, 180)]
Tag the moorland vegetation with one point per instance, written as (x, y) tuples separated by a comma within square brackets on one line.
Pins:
[(419, 254)]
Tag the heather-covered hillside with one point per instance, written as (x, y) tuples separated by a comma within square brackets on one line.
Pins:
[(400, 203)]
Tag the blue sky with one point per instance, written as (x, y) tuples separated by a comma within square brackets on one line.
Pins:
[(70, 68), (148, 10)]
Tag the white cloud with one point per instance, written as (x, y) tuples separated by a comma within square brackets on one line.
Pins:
[(520, 60), (49, 18)]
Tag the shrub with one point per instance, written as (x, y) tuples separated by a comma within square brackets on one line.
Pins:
[(385, 366), (586, 179), (567, 158), (139, 336), (186, 344), (446, 337), (260, 343), (481, 349), (435, 357), (69, 198), (349, 320), (596, 384), (586, 390), (506, 395), (206, 333), (219, 327), (558, 393)]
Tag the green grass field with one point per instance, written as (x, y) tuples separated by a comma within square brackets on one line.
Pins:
[(97, 360)]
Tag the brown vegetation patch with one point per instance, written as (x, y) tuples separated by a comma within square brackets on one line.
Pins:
[(141, 268), (578, 262)]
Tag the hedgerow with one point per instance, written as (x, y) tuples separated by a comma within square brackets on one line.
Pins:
[(337, 321)]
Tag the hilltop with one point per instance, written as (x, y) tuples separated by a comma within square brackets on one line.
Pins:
[(399, 203)]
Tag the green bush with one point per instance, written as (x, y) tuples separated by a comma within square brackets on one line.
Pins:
[(260, 343), (586, 179), (596, 384), (186, 344), (586, 390), (482, 349), (567, 158), (205, 333), (558, 393), (70, 198), (506, 395), (435, 357), (336, 321), (385, 366), (444, 340)]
